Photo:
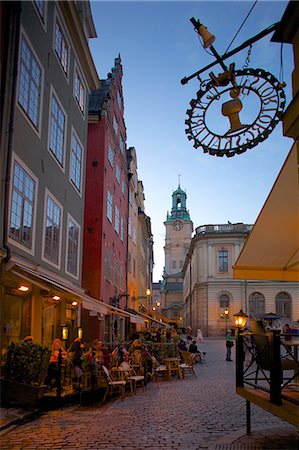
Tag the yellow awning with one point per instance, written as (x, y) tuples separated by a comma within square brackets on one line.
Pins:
[(271, 251)]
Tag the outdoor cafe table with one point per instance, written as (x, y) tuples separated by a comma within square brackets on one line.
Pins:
[(173, 366)]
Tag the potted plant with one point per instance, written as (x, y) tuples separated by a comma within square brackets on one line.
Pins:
[(25, 372)]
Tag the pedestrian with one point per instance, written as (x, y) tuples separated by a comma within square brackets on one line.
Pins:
[(182, 345), (287, 330), (229, 342)]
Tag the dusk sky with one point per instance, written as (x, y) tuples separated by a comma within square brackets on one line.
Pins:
[(158, 47)]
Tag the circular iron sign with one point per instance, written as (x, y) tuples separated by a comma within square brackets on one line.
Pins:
[(255, 92)]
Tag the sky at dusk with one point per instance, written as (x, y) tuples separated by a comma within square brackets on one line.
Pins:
[(158, 47)]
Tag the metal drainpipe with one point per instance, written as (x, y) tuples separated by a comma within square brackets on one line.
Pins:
[(14, 31)]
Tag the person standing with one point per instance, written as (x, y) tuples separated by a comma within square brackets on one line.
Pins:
[(229, 344)]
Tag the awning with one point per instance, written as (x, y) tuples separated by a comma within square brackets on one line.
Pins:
[(271, 251), (148, 318), (88, 302)]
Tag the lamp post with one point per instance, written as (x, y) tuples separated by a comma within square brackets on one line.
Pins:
[(226, 317), (240, 320)]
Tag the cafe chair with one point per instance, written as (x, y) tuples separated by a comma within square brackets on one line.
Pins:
[(159, 370), (113, 386), (132, 377), (187, 364)]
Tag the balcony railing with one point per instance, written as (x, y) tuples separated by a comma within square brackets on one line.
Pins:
[(224, 228)]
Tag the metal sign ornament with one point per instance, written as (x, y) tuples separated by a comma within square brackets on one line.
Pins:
[(264, 94), (214, 120)]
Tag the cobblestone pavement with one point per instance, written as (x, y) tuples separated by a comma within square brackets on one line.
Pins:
[(195, 413)]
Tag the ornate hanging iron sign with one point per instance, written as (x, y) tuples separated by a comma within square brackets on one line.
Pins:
[(215, 121), (265, 100)]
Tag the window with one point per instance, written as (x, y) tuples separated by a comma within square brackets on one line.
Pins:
[(130, 227), (79, 91), (224, 301), (130, 198), (72, 248), (223, 261), (174, 264), (109, 206), (40, 6), (134, 235), (119, 99), (76, 162), (53, 228), (116, 219), (22, 206), (30, 84), (122, 229), (121, 144), (115, 125), (135, 208), (61, 47), (181, 263), (110, 156), (257, 305), (57, 130), (108, 264), (117, 173), (123, 187), (284, 305)]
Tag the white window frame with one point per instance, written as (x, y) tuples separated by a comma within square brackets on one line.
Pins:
[(78, 74), (122, 229), (71, 219), (58, 20), (115, 125), (78, 190), (110, 156), (121, 144), (116, 219), (48, 194), (61, 166), (123, 187), (130, 227), (117, 173), (109, 206), (11, 240), (36, 129)]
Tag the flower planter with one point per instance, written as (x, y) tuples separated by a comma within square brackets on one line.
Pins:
[(21, 393)]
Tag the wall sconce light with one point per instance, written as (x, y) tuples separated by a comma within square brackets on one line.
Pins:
[(64, 332), (74, 303), (148, 291), (79, 332), (23, 288), (56, 298)]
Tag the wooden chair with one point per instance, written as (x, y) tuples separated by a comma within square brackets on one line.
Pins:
[(187, 364), (113, 386), (263, 352), (132, 377), (158, 369)]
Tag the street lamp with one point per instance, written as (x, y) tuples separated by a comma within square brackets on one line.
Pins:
[(226, 317), (240, 319)]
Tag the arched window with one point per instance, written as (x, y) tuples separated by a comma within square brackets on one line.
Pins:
[(257, 305), (283, 304)]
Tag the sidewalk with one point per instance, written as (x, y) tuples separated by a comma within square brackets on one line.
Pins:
[(14, 416)]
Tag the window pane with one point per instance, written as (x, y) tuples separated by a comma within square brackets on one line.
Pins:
[(223, 261), (22, 206), (76, 160), (29, 84), (61, 47), (57, 130), (73, 248), (52, 234)]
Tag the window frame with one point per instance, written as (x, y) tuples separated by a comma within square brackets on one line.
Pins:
[(54, 94), (109, 206), (49, 195), (36, 129), (11, 240), (110, 156), (58, 20), (78, 72), (42, 17), (74, 134), (71, 219), (221, 261)]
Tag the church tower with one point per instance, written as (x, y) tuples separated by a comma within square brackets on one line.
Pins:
[(179, 228)]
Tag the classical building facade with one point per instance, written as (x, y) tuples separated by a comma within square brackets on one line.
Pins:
[(212, 296), (47, 73)]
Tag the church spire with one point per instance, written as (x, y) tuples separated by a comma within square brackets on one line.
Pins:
[(179, 205)]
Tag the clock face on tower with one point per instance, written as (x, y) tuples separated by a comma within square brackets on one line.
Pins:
[(177, 225)]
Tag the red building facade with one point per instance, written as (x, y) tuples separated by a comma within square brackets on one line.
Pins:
[(106, 208)]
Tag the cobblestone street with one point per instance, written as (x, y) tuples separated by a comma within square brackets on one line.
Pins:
[(185, 414)]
